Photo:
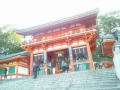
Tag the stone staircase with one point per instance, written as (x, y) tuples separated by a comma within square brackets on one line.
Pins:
[(104, 79)]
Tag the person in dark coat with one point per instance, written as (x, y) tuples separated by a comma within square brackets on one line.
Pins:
[(63, 65), (36, 68), (98, 65), (67, 65), (53, 66), (5, 73)]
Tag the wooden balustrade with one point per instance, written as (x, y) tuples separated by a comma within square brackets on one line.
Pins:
[(63, 34)]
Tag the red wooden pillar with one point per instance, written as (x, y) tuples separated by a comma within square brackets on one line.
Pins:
[(72, 65), (90, 56), (0, 77), (56, 70), (31, 63), (17, 63), (51, 58), (28, 59), (45, 66)]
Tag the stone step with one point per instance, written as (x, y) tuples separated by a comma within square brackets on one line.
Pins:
[(64, 83), (68, 80), (113, 88), (62, 75), (104, 79), (80, 77)]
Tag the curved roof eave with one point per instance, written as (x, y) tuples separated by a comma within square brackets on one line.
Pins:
[(24, 53), (62, 21)]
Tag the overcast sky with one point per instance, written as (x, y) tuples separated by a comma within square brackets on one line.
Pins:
[(27, 13)]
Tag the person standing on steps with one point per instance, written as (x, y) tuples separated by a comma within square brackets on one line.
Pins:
[(53, 66), (63, 65), (67, 65), (36, 68), (5, 73)]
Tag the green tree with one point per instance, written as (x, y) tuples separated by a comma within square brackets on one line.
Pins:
[(9, 41), (108, 21)]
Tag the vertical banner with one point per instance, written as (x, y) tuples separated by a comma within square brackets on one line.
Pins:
[(45, 56), (70, 52)]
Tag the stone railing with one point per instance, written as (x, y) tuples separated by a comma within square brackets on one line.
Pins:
[(116, 59)]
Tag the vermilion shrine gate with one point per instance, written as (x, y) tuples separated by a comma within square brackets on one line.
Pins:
[(72, 39)]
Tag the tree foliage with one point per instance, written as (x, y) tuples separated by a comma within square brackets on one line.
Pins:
[(9, 41), (108, 21)]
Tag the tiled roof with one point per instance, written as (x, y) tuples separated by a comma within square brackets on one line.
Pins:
[(24, 53), (58, 23)]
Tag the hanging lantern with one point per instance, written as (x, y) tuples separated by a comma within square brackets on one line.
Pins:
[(59, 54)]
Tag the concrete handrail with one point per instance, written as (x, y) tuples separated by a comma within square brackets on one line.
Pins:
[(116, 60)]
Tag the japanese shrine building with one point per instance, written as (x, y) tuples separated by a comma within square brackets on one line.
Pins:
[(17, 65), (72, 39)]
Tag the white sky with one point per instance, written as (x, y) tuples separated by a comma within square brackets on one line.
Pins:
[(27, 13)]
